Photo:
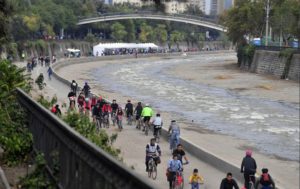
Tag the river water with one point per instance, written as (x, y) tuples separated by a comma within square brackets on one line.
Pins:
[(272, 126)]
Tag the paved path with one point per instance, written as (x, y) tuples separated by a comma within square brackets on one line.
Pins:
[(132, 143)]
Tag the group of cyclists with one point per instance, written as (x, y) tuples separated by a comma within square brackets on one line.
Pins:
[(103, 112)]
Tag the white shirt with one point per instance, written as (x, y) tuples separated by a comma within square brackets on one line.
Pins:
[(157, 121)]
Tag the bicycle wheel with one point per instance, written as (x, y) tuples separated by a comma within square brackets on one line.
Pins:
[(154, 172)]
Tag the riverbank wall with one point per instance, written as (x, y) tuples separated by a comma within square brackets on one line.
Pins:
[(273, 63)]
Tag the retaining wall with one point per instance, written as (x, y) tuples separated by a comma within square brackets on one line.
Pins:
[(269, 62)]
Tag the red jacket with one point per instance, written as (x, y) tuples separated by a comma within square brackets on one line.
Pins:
[(106, 108)]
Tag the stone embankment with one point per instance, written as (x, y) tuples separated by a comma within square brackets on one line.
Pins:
[(270, 62)]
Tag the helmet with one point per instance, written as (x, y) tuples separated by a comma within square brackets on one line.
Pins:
[(248, 152)]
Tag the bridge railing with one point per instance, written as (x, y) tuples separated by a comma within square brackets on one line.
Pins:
[(76, 162), (145, 13)]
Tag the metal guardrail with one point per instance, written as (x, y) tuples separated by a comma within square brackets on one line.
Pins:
[(81, 163), (276, 48)]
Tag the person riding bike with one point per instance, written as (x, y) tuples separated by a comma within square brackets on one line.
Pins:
[(229, 182), (180, 153), (120, 117), (129, 109), (72, 99), (114, 106), (147, 113), (195, 180), (86, 89), (248, 167), (152, 149), (80, 100), (74, 86), (174, 166), (265, 180), (174, 132), (138, 111), (87, 106), (157, 124), (97, 112), (94, 101), (106, 109)]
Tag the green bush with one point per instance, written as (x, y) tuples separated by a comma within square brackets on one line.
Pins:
[(86, 128), (39, 177), (15, 138)]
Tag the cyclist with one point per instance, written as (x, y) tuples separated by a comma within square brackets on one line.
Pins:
[(174, 132), (229, 182), (147, 113), (87, 106), (86, 89), (114, 108), (248, 167), (129, 110), (106, 109), (180, 153), (74, 86), (196, 180), (157, 125), (72, 99), (138, 111), (152, 149), (94, 101), (80, 100), (120, 117), (265, 180), (174, 166), (97, 111)]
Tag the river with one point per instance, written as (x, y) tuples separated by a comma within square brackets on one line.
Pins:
[(273, 126)]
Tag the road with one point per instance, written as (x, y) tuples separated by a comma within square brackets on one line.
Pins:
[(133, 142)]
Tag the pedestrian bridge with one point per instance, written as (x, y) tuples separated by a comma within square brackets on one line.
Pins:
[(188, 19)]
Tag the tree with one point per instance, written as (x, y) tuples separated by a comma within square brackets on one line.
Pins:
[(245, 19), (118, 31), (146, 34), (161, 33), (130, 29), (193, 10), (176, 37), (285, 19), (5, 13)]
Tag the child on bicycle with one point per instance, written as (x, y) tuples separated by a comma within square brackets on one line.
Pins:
[(196, 180)]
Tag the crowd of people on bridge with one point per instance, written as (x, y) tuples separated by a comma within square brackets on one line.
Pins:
[(103, 112)]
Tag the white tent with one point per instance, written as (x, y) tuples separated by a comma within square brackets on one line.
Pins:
[(99, 49)]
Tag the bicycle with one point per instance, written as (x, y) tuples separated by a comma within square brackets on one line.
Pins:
[(178, 182), (113, 118), (146, 126), (81, 109), (251, 183), (156, 134), (139, 123), (119, 123), (152, 168), (98, 123), (129, 120), (105, 120)]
